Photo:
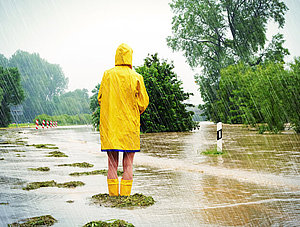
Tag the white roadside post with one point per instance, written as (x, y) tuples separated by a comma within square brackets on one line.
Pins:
[(219, 136)]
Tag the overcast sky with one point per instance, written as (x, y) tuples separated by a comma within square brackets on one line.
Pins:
[(82, 35)]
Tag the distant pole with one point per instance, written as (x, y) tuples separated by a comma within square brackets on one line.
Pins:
[(47, 124), (43, 125), (37, 124), (51, 124), (219, 136)]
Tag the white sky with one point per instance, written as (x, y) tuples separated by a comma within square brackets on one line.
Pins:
[(82, 35)]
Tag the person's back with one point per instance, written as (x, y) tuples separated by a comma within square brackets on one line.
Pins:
[(122, 97), (122, 101)]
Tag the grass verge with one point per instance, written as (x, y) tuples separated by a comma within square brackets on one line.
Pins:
[(136, 200), (95, 172), (46, 220)]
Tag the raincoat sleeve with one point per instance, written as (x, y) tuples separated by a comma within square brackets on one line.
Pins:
[(101, 89), (142, 96)]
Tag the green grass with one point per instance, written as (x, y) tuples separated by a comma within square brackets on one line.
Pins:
[(4, 203), (213, 151), (95, 172), (81, 165), (136, 200), (36, 185), (22, 125), (44, 146), (46, 220), (57, 154), (109, 223), (43, 169)]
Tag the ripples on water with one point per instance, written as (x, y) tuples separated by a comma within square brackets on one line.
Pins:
[(255, 183)]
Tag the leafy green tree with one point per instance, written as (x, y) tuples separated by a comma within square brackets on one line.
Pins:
[(3, 61), (166, 111), (215, 34), (267, 93), (292, 87), (71, 103), (11, 93), (40, 80), (94, 107)]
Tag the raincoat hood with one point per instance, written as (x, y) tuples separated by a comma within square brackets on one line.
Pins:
[(123, 55)]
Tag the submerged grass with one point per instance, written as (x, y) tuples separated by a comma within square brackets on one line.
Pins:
[(20, 156), (80, 164), (44, 169), (213, 151), (57, 154), (95, 172), (46, 220), (44, 146), (136, 200), (17, 142), (109, 223), (36, 185)]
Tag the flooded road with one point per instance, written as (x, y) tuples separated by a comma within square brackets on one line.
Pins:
[(254, 183)]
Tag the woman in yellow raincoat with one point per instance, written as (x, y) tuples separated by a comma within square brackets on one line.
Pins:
[(123, 98)]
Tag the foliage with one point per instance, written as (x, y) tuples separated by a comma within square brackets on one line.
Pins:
[(216, 34), (11, 93), (71, 103), (79, 119), (166, 111), (267, 93), (43, 169), (43, 146), (79, 164), (213, 152), (109, 223), (40, 80), (94, 107), (96, 172), (123, 201), (46, 220), (36, 185), (292, 103), (57, 154)]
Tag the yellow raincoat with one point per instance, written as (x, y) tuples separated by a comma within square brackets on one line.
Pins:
[(123, 98)]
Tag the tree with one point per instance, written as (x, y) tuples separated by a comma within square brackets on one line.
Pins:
[(11, 93), (40, 80), (267, 93), (292, 88), (94, 107), (215, 34), (72, 103), (166, 111)]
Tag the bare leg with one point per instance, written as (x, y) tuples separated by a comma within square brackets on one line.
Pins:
[(113, 162), (127, 165)]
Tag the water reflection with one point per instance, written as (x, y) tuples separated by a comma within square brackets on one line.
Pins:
[(255, 183)]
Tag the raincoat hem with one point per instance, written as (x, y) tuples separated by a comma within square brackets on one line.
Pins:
[(118, 150)]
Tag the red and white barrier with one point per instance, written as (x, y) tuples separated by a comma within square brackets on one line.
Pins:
[(51, 124)]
